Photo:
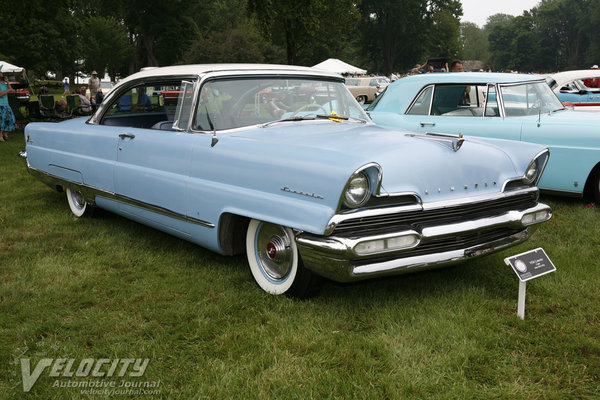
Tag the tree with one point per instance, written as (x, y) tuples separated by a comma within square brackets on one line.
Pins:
[(561, 33), (475, 42), (41, 36), (443, 39), (396, 33), (299, 25), (107, 46), (500, 37)]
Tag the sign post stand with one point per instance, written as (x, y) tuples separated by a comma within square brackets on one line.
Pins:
[(521, 301), (527, 266)]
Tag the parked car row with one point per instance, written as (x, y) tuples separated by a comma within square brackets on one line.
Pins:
[(281, 163), (506, 106), (366, 89)]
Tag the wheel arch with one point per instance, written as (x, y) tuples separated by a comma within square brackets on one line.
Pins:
[(587, 191), (232, 233)]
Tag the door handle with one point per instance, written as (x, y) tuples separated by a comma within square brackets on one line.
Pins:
[(427, 124), (126, 135)]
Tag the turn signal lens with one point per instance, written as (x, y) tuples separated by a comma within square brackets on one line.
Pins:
[(536, 217), (387, 244)]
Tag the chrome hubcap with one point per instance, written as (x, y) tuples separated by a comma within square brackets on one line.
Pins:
[(78, 198), (273, 247)]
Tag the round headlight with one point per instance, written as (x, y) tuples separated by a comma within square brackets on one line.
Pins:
[(357, 191), (531, 173)]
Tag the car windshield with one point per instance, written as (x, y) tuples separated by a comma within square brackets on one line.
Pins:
[(234, 103), (529, 98)]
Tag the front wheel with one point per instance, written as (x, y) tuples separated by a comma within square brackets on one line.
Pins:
[(595, 185), (361, 99), (77, 204), (275, 263)]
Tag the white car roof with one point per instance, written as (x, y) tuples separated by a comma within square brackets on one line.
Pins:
[(562, 78), (201, 69)]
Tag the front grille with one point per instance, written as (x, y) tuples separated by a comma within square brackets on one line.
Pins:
[(416, 219)]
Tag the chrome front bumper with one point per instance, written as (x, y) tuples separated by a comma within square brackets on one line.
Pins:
[(336, 258)]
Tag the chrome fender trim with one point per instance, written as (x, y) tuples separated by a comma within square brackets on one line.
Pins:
[(90, 193)]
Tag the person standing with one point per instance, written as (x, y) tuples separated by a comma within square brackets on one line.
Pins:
[(94, 84), (66, 86), (7, 118)]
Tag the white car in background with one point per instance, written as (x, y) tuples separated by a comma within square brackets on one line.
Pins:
[(578, 88)]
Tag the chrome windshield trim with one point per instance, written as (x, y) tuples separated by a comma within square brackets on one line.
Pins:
[(90, 193)]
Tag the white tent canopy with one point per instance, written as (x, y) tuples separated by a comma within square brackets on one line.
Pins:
[(7, 67), (338, 66)]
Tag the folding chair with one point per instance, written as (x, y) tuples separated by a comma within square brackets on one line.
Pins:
[(75, 106), (47, 106)]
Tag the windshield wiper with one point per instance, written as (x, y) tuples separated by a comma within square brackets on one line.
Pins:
[(342, 117), (291, 119)]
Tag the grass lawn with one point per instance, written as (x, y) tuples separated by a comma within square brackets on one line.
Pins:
[(108, 288)]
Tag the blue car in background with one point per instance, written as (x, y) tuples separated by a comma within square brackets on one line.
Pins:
[(506, 106), (281, 163), (578, 88)]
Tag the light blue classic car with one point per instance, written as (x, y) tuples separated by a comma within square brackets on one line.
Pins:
[(506, 106), (282, 163)]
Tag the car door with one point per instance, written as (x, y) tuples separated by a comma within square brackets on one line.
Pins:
[(152, 160), (461, 108)]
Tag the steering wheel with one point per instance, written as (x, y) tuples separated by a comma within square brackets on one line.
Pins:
[(306, 107)]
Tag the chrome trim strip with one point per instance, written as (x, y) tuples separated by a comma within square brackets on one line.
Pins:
[(547, 154), (90, 193), (477, 199), (334, 258), (362, 213), (436, 260), (341, 247)]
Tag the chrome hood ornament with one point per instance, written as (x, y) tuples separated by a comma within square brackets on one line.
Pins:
[(453, 142)]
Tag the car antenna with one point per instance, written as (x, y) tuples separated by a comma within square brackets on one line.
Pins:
[(539, 117)]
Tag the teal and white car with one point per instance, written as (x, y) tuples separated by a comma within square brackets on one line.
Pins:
[(506, 106), (281, 163)]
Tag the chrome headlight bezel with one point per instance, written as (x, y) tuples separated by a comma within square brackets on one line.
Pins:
[(357, 191)]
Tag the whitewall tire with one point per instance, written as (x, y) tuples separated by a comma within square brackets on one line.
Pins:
[(79, 207), (274, 260)]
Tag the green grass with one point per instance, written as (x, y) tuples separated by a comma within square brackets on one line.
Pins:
[(106, 287)]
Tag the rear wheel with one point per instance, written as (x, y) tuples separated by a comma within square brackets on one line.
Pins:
[(275, 263), (361, 99), (77, 204)]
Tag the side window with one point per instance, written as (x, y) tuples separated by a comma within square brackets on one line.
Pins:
[(451, 100), (185, 97), (422, 103), (144, 106), (491, 102)]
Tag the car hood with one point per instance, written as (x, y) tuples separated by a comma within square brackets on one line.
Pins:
[(411, 162)]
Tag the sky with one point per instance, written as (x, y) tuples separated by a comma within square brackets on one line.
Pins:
[(478, 11)]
